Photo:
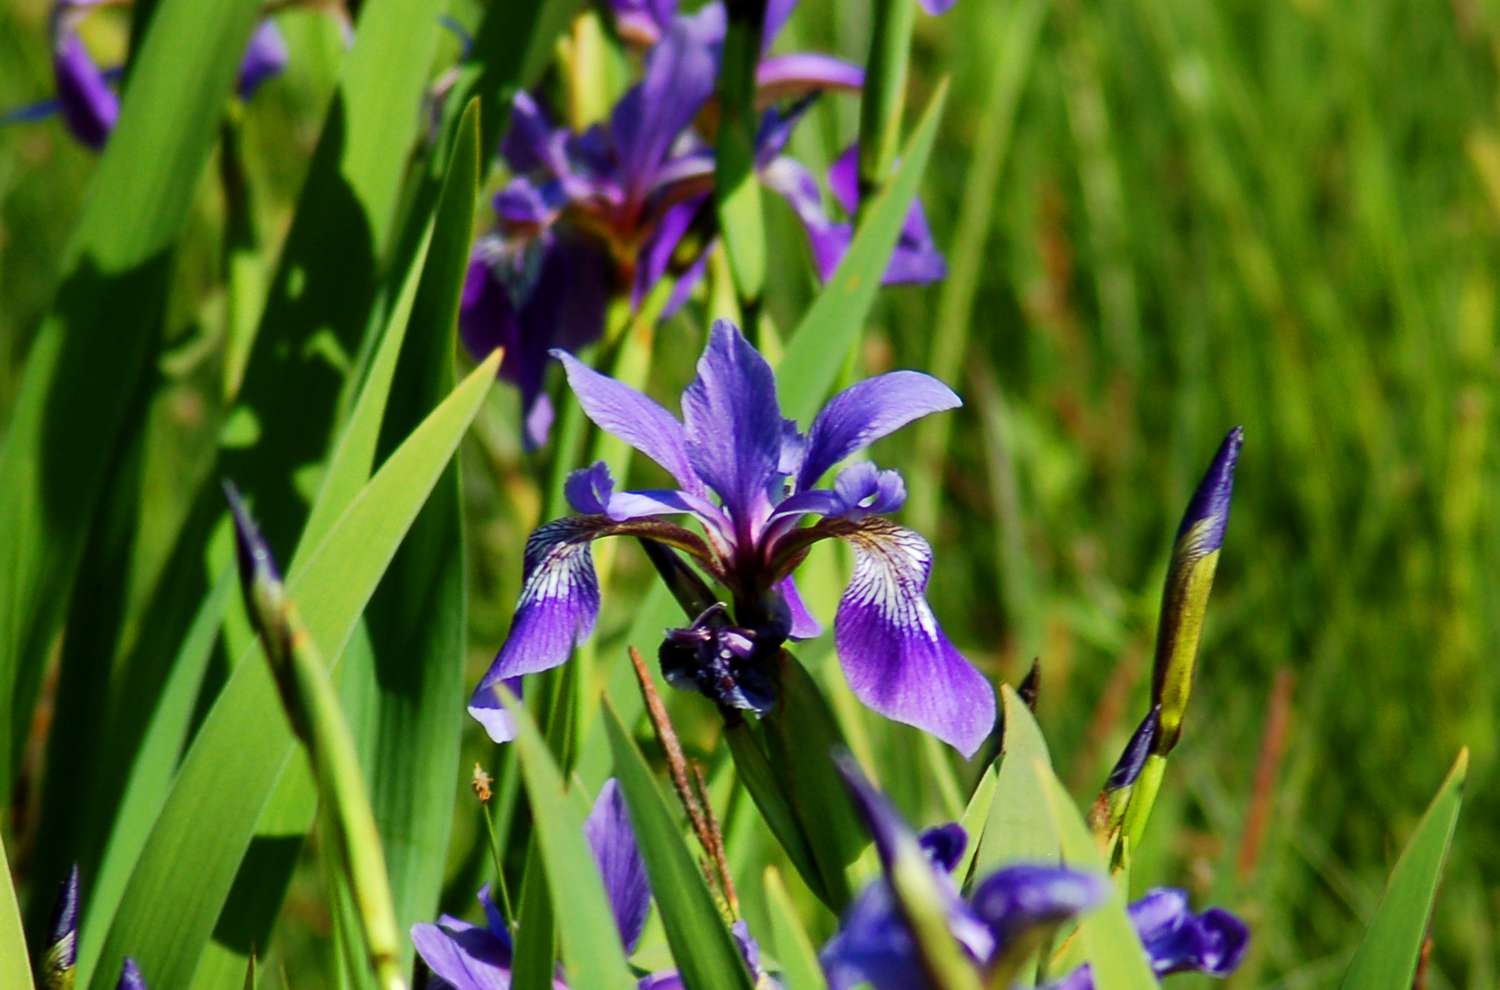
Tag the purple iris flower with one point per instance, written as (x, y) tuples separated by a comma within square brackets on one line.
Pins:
[(749, 477), (86, 99), (617, 208), (874, 944), (463, 956)]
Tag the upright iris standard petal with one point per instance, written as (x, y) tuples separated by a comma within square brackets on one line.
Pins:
[(944, 845), (533, 143), (804, 624), (89, 107), (894, 655), (266, 56), (865, 412), (619, 859), (681, 72), (733, 425), (633, 417)]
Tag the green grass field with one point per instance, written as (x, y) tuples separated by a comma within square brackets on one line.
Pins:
[(1162, 219)]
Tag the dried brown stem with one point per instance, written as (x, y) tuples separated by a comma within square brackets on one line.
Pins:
[(677, 765), (717, 853)]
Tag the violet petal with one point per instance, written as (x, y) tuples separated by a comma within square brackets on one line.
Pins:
[(867, 411), (894, 655), (620, 865)]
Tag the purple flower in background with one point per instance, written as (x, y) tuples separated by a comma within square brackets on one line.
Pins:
[(463, 956), (86, 99), (1003, 913), (617, 208), (749, 477), (915, 260)]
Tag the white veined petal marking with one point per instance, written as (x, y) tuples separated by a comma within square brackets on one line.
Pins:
[(891, 567)]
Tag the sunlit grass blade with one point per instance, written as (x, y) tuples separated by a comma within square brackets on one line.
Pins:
[(418, 618), (836, 318), (409, 371), (800, 969), (89, 359), (1387, 957), (15, 966), (182, 878), (327, 278), (1110, 943), (592, 954), (1018, 828), (149, 775)]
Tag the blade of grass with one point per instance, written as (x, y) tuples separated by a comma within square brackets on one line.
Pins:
[(312, 709), (702, 945), (417, 622), (15, 967), (1018, 827), (1018, 27), (91, 355), (592, 954), (182, 878), (1388, 954), (836, 318), (1110, 943), (794, 950)]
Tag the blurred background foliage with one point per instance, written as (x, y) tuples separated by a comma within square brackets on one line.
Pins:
[(1163, 218)]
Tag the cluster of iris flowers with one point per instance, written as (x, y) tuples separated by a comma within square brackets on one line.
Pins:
[(610, 212)]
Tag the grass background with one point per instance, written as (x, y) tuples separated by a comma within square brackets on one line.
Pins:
[(1183, 216)]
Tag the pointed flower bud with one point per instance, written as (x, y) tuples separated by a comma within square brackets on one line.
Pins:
[(61, 955), (130, 976), (1185, 597)]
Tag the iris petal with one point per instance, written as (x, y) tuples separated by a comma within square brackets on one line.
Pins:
[(633, 417), (619, 859), (894, 655), (734, 426), (865, 412)]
